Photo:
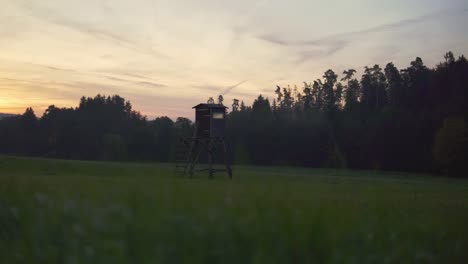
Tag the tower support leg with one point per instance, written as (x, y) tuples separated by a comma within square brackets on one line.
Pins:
[(196, 150), (210, 164), (226, 160), (210, 146)]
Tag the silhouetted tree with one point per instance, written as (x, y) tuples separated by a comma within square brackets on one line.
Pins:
[(307, 99), (351, 90), (317, 94), (450, 146), (242, 106), (220, 99), (279, 95), (329, 93), (395, 87), (261, 106), (274, 105), (417, 79), (235, 105)]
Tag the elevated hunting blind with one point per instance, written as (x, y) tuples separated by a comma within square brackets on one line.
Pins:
[(210, 120), (208, 137)]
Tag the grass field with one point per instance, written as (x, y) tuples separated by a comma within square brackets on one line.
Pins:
[(55, 211)]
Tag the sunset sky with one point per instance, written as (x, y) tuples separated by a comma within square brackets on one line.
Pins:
[(167, 55)]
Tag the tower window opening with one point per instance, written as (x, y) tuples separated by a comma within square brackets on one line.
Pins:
[(218, 116)]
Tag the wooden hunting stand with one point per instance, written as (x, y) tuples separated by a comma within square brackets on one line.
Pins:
[(208, 137)]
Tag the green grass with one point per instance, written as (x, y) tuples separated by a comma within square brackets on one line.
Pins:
[(54, 211)]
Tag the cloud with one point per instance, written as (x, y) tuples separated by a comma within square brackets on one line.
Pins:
[(311, 49), (137, 83), (46, 90), (386, 27), (54, 68), (327, 46), (274, 39), (151, 84), (222, 90), (244, 21), (128, 74), (240, 95), (406, 22), (326, 49), (214, 88), (49, 15), (230, 88), (144, 81)]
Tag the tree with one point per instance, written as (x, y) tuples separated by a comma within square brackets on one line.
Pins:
[(395, 88), (317, 94), (307, 99), (220, 99), (274, 106), (242, 106), (29, 133), (210, 100), (373, 87), (329, 93), (338, 95), (351, 90), (183, 126), (449, 58), (288, 99), (29, 119), (114, 147), (348, 75), (379, 84), (235, 105), (367, 91), (261, 106), (416, 79), (279, 94), (165, 134), (450, 146), (297, 97)]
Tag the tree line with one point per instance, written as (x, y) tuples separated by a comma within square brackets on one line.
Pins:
[(413, 119)]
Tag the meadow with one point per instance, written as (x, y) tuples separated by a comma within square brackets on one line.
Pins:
[(56, 211)]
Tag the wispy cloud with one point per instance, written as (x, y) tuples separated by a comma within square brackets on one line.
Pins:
[(136, 83), (32, 88), (151, 84), (207, 87), (335, 38), (244, 22), (325, 49), (53, 68), (35, 9), (127, 73), (230, 88), (219, 89), (327, 46)]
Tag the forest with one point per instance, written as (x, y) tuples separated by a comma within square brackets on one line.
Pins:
[(412, 119)]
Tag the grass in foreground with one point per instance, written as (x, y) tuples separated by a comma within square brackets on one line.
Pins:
[(55, 211)]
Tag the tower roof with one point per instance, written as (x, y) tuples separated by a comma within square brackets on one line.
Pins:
[(219, 106)]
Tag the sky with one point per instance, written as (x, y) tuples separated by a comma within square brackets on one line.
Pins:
[(166, 56)]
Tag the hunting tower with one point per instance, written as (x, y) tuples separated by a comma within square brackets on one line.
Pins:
[(208, 137), (210, 120)]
